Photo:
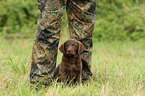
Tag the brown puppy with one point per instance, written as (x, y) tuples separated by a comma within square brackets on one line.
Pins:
[(70, 67)]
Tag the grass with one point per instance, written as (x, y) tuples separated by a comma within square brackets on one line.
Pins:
[(118, 66)]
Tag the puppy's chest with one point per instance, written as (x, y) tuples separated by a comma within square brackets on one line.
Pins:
[(73, 66)]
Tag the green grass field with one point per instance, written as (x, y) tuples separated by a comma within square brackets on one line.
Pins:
[(118, 66)]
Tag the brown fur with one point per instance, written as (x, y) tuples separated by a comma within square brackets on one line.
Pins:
[(70, 67)]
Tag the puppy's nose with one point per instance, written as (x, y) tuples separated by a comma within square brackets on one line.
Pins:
[(68, 50)]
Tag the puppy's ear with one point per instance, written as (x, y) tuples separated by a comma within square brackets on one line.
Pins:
[(81, 47), (61, 48)]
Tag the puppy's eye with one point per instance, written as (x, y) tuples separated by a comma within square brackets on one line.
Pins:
[(73, 44), (67, 44)]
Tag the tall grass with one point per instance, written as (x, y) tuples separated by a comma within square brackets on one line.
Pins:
[(118, 69)]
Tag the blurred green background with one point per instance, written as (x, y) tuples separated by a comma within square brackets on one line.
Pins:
[(116, 19)]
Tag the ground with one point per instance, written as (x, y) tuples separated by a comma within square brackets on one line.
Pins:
[(118, 69)]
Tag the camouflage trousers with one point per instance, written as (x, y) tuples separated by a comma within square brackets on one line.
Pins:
[(81, 18)]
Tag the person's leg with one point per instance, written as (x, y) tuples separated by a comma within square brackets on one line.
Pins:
[(81, 17), (44, 52)]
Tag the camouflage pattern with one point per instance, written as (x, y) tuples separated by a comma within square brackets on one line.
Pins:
[(81, 18)]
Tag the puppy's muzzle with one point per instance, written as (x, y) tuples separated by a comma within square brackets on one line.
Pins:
[(70, 52)]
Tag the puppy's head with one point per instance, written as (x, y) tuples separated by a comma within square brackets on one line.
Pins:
[(72, 47)]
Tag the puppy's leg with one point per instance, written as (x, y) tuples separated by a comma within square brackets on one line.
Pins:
[(63, 78), (56, 72), (78, 78)]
